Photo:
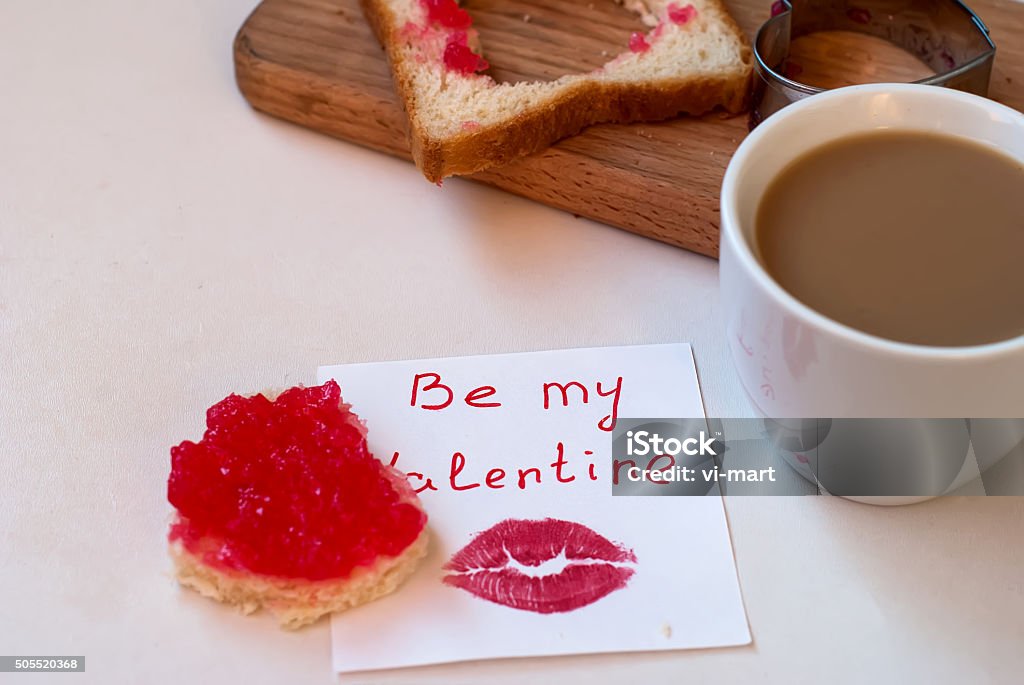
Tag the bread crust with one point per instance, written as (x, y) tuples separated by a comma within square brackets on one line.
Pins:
[(297, 603), (580, 105)]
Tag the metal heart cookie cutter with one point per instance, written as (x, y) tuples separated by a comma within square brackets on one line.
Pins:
[(944, 34)]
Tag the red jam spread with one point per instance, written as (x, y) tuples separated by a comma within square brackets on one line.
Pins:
[(455, 22), (411, 30), (459, 57), (638, 42), (447, 13), (287, 488), (681, 15)]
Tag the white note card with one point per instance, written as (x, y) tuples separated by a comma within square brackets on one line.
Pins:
[(530, 555)]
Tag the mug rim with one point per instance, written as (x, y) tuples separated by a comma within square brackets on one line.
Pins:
[(742, 249)]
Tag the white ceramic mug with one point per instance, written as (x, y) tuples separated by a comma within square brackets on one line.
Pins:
[(795, 362)]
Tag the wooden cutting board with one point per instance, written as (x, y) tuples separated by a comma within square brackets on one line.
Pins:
[(316, 63)]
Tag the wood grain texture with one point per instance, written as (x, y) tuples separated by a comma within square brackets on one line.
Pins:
[(317, 64)]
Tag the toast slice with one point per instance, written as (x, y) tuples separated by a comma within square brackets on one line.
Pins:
[(461, 121), (281, 506), (295, 602)]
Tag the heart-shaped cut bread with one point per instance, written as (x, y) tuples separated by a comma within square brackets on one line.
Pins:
[(281, 505), (694, 58)]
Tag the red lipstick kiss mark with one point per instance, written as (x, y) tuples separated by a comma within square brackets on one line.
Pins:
[(547, 566)]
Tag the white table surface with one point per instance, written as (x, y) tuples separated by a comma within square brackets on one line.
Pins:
[(162, 245)]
